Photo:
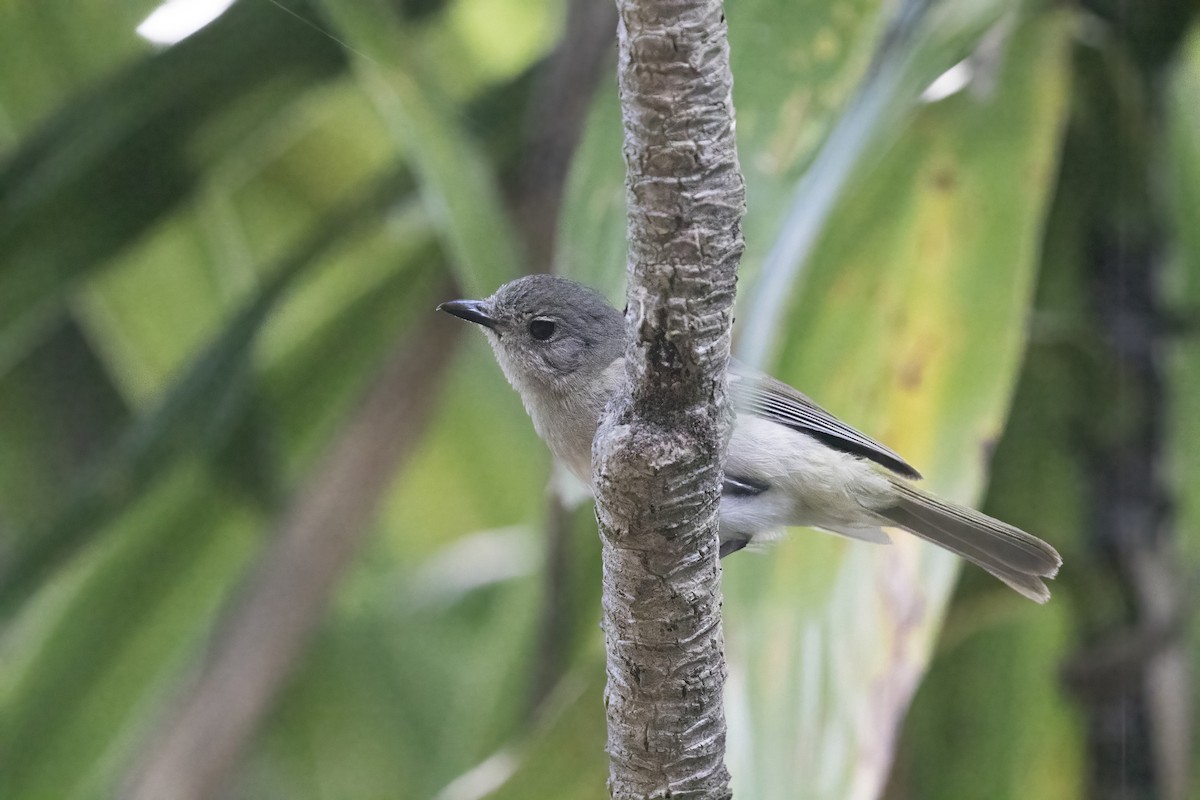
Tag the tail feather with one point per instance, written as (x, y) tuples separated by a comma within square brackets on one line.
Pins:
[(1012, 555)]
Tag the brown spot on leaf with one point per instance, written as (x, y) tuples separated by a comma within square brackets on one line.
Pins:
[(911, 372), (945, 179)]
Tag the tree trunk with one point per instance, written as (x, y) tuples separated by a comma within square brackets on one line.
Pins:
[(659, 452)]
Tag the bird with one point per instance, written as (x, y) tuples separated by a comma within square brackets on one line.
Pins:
[(789, 463)]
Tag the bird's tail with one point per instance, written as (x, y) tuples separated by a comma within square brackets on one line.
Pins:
[(1012, 555)]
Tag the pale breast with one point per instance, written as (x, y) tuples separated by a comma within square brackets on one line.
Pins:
[(569, 436)]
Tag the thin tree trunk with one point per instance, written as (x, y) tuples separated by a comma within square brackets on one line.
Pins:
[(659, 452)]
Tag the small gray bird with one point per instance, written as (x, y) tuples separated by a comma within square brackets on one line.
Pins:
[(790, 462)]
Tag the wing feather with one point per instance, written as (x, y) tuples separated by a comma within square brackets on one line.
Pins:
[(775, 401)]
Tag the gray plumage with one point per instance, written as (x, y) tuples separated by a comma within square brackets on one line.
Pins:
[(790, 462)]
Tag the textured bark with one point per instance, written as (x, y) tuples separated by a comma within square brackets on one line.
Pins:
[(659, 452)]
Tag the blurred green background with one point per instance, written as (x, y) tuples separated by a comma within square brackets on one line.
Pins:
[(972, 231)]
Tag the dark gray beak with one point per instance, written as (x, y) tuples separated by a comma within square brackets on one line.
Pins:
[(471, 310)]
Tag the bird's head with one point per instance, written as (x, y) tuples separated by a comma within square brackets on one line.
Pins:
[(546, 331)]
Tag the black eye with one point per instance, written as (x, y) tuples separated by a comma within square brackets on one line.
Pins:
[(541, 328)]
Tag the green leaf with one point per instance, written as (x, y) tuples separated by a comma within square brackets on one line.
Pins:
[(118, 158), (240, 362), (57, 409), (197, 413), (909, 327), (991, 721), (314, 368), (1026, 736), (795, 66), (51, 50), (248, 211), (458, 185), (93, 658), (396, 699), (923, 40), (565, 756), (480, 466)]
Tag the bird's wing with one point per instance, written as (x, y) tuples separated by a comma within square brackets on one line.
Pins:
[(775, 401)]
